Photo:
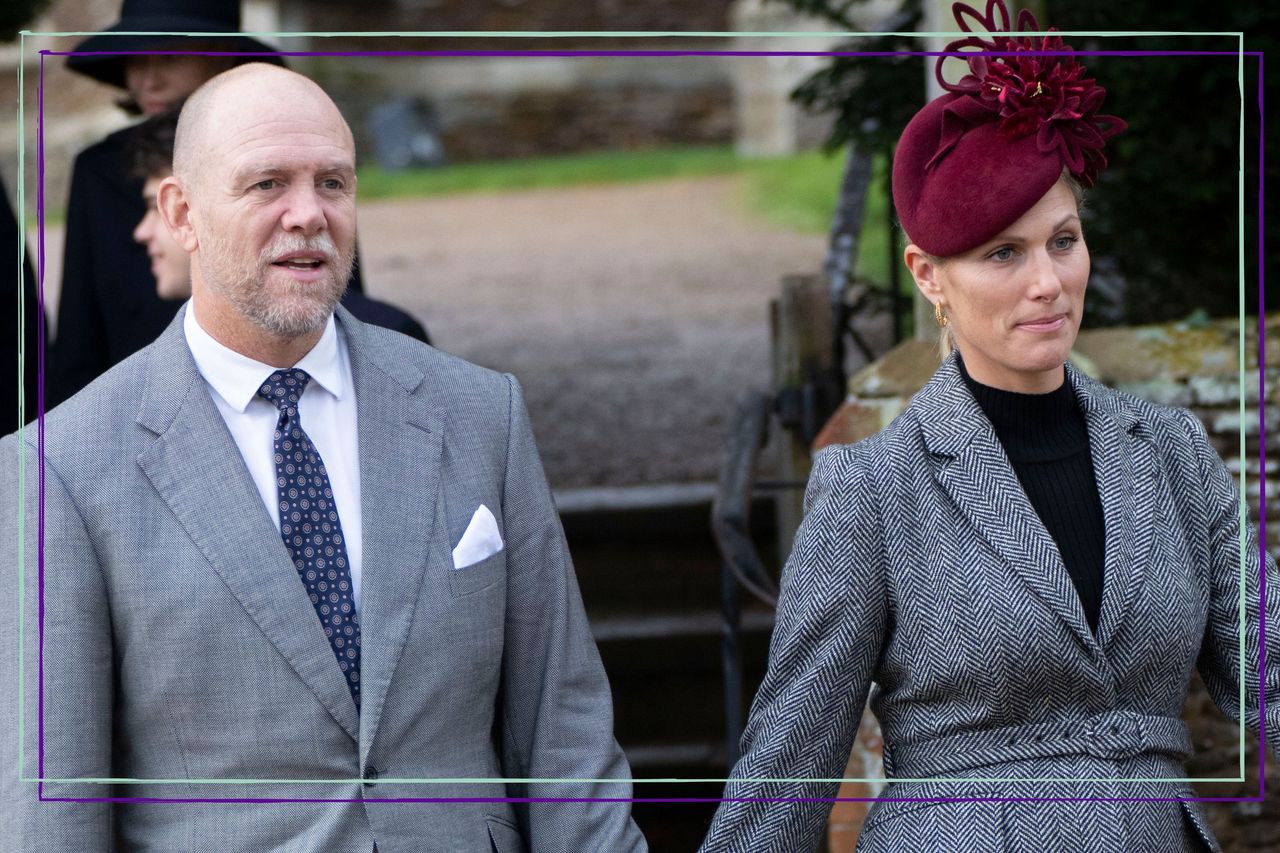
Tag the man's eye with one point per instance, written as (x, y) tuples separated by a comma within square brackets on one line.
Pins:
[(268, 184), (332, 184)]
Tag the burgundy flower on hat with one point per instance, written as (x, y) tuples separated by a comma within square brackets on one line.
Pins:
[(1049, 96)]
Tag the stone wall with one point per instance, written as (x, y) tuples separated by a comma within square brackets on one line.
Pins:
[(507, 15), (489, 107), (492, 108), (503, 107), (1190, 365), (1196, 367)]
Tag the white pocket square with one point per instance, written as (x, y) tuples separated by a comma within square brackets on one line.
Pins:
[(480, 541)]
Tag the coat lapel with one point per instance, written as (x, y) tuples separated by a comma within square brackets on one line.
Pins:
[(1126, 471), (400, 440), (196, 467), (972, 467)]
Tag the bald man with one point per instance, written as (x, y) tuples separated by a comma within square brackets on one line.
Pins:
[(291, 561)]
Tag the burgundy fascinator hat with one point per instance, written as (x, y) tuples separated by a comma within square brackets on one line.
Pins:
[(972, 161)]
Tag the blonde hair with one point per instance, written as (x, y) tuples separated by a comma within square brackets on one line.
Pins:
[(946, 339)]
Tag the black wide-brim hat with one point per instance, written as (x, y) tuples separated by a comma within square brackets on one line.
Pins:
[(215, 23)]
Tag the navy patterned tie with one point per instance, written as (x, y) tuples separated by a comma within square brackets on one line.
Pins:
[(309, 524)]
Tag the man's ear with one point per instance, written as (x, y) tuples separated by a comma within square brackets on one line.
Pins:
[(925, 270), (174, 204)]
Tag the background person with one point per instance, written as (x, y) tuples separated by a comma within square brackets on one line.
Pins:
[(108, 307), (18, 330), (1026, 563), (151, 154)]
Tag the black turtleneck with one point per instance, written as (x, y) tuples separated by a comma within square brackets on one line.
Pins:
[(1045, 438)]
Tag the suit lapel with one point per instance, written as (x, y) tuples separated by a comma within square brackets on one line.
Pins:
[(400, 441), (196, 467), (972, 467), (1124, 466)]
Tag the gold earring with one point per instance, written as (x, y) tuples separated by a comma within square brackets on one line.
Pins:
[(939, 317)]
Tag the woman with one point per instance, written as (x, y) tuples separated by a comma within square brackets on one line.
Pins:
[(1026, 563)]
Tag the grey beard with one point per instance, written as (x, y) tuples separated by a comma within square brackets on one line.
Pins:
[(294, 317), (303, 308)]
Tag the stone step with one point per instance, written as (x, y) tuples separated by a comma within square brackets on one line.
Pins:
[(668, 689), (647, 551), (649, 572)]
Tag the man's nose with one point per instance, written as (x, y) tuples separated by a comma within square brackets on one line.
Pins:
[(142, 231), (304, 212)]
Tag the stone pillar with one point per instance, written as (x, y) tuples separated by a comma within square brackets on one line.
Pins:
[(768, 123), (285, 16), (260, 16)]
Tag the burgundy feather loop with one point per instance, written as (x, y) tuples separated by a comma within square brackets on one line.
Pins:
[(1048, 96)]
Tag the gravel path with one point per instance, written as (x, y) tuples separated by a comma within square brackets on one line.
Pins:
[(633, 315)]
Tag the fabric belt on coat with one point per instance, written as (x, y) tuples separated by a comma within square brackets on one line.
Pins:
[(1112, 735)]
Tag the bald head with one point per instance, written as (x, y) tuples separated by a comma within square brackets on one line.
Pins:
[(239, 99), (262, 197)]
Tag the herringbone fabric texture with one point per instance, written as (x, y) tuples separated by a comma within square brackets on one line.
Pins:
[(921, 566)]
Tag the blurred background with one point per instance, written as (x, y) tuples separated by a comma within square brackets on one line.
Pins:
[(690, 263)]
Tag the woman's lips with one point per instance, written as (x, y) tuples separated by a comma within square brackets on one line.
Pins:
[(1045, 324)]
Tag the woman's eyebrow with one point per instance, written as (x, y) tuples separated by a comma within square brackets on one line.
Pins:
[(1015, 238)]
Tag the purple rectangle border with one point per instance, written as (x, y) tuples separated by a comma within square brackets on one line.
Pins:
[(1262, 498)]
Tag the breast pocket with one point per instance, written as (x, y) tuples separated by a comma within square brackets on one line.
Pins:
[(478, 576)]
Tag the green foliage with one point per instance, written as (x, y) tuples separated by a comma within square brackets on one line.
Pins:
[(568, 170), (800, 192), (1168, 210), (796, 192)]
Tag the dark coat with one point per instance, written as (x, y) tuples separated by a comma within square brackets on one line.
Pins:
[(109, 309), (379, 313), (13, 338)]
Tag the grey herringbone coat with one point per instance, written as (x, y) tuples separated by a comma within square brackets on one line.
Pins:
[(921, 565)]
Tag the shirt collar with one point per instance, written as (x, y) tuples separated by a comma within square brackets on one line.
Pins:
[(236, 378)]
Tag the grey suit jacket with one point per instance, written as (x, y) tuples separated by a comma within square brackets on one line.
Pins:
[(921, 565), (178, 642)]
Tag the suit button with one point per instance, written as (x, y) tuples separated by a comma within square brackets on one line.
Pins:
[(370, 776)]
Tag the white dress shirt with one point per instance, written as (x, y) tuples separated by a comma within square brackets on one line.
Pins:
[(327, 411)]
